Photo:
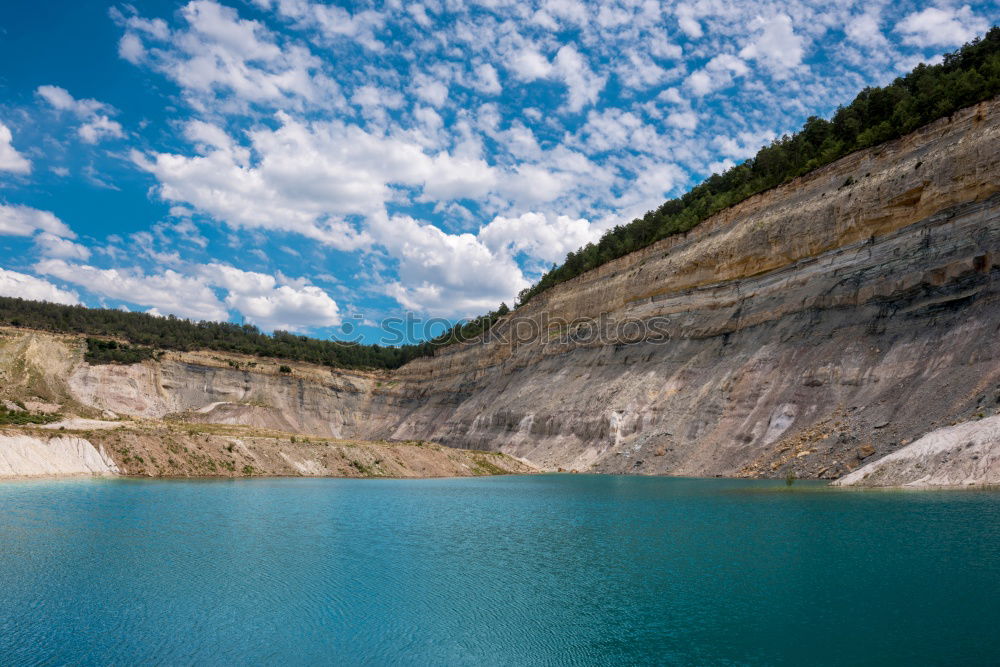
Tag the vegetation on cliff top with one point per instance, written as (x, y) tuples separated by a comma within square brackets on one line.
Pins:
[(171, 333), (929, 92), (112, 352)]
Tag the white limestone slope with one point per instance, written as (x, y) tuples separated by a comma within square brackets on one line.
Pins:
[(28, 456), (967, 454)]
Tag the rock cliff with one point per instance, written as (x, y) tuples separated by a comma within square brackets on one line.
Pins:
[(809, 329), (815, 325)]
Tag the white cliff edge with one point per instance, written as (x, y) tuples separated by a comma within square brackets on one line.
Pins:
[(27, 456)]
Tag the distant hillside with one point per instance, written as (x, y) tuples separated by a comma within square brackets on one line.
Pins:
[(171, 333)]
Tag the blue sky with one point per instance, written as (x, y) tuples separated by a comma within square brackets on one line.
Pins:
[(308, 165)]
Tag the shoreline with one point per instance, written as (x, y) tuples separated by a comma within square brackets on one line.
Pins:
[(814, 485), (153, 449)]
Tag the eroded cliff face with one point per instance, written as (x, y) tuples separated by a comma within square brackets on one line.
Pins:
[(202, 386), (815, 326), (823, 322), (206, 387)]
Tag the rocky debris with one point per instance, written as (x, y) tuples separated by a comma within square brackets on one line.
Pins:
[(234, 451), (815, 451), (967, 454)]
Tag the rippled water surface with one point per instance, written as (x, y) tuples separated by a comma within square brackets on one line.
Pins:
[(509, 570)]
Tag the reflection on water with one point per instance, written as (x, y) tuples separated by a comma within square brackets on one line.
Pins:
[(509, 570)]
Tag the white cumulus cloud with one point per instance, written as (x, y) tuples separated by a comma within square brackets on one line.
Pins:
[(226, 63), (941, 26), (95, 121), (263, 301), (305, 177), (333, 23), (169, 292), (541, 237), (192, 291), (583, 83), (776, 45), (51, 245), (687, 18), (10, 159), (445, 274), (487, 80), (24, 286), (864, 30), (528, 64), (717, 73), (17, 220)]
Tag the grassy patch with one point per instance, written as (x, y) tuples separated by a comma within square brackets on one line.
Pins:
[(362, 468), (18, 418), (481, 466)]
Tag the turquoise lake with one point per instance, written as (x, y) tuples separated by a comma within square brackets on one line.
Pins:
[(550, 569)]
